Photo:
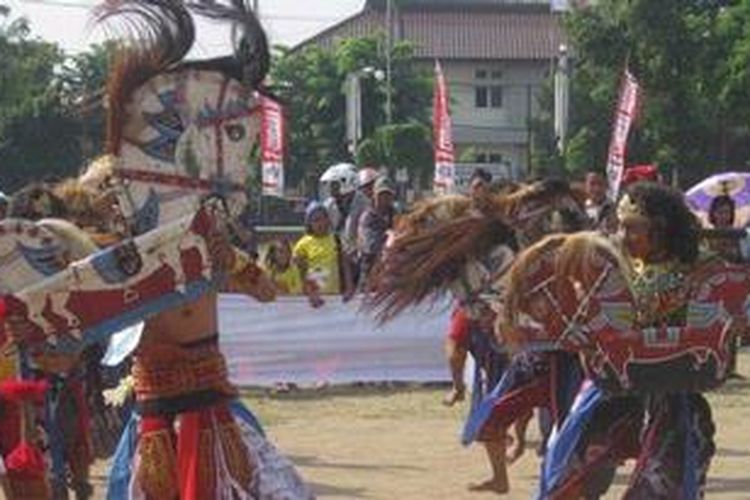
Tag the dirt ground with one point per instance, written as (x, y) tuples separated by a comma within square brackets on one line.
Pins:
[(399, 442)]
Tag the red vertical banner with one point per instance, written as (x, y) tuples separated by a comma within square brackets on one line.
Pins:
[(442, 131), (272, 147), (627, 108)]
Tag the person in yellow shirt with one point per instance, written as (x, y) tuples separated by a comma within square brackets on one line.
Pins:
[(280, 268), (317, 254)]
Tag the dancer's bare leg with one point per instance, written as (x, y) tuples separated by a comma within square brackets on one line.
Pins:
[(456, 356), (5, 489), (496, 454), (519, 437)]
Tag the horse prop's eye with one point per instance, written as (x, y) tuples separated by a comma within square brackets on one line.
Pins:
[(235, 132)]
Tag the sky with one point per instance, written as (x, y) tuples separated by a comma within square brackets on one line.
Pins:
[(287, 22)]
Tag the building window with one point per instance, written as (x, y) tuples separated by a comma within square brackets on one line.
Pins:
[(481, 96), (496, 96), (496, 158), (488, 94), (488, 156)]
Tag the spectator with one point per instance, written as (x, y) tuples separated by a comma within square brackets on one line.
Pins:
[(345, 205), (280, 268), (374, 225), (599, 209), (3, 205), (721, 212), (343, 196), (721, 215), (367, 177), (317, 254), (479, 183)]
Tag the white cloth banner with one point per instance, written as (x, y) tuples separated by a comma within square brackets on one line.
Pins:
[(627, 106), (288, 341)]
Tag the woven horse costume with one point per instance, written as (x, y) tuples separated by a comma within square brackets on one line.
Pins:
[(652, 335)]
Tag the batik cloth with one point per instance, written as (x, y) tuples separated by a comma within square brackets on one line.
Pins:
[(189, 437)]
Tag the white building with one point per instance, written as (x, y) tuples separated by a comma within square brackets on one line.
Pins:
[(495, 54)]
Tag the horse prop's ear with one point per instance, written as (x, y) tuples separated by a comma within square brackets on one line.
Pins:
[(250, 43)]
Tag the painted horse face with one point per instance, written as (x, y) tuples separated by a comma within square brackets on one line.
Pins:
[(28, 254), (188, 135)]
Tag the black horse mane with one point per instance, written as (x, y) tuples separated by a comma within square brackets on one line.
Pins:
[(154, 37)]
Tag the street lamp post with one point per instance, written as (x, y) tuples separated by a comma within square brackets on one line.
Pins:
[(562, 98), (388, 62), (353, 92)]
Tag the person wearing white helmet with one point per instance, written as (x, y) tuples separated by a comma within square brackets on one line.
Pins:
[(341, 182), (345, 204)]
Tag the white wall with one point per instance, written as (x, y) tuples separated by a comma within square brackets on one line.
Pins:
[(489, 130)]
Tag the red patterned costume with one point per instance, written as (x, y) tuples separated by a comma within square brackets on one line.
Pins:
[(652, 320)]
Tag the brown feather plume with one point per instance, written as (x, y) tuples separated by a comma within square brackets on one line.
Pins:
[(422, 264), (153, 35), (578, 253), (436, 240)]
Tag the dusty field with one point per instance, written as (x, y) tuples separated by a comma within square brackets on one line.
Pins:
[(401, 443)]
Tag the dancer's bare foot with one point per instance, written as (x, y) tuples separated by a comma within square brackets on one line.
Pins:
[(455, 395), (495, 485)]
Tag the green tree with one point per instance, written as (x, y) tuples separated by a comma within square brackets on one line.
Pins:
[(37, 139), (691, 58), (310, 83), (404, 145), (47, 124), (81, 85)]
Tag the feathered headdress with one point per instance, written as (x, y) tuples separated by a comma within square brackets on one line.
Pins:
[(155, 36), (434, 243)]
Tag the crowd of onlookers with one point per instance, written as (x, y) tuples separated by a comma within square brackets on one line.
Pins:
[(720, 231), (346, 231), (344, 235)]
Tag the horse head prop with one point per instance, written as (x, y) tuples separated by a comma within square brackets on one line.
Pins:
[(180, 136), (181, 131)]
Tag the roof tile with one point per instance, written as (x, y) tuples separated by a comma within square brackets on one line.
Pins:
[(461, 35)]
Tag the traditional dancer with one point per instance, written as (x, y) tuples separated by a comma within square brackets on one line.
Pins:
[(189, 437), (66, 416), (632, 313), (465, 246)]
